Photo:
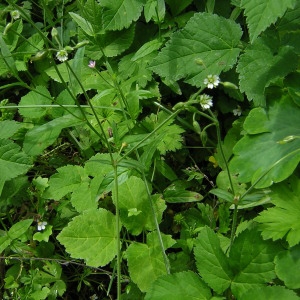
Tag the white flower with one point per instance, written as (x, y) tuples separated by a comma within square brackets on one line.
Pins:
[(62, 55), (212, 81), (237, 111), (15, 14), (41, 225), (92, 64), (206, 101)]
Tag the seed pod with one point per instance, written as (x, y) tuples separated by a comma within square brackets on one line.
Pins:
[(197, 127), (203, 137)]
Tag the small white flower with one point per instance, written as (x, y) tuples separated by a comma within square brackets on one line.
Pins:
[(62, 55), (212, 81), (92, 64), (15, 14), (41, 225), (237, 111), (206, 101)]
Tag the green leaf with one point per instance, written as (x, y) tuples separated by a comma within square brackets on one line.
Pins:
[(13, 162), (40, 96), (257, 10), (8, 128), (206, 38), (268, 63), (179, 286), (83, 24), (282, 220), (287, 266), (40, 137), (181, 196), (269, 292), (91, 236), (268, 154), (65, 181), (146, 262), (120, 14), (222, 194), (133, 197), (252, 260), (7, 57), (146, 49), (177, 6), (211, 262)]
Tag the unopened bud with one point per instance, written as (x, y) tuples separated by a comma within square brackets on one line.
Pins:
[(229, 85), (54, 32)]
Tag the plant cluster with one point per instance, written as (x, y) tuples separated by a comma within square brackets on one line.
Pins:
[(149, 149)]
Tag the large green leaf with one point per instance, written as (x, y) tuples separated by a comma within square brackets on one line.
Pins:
[(257, 10), (13, 162), (135, 208), (212, 263), (269, 292), (206, 45), (146, 262), (270, 151), (268, 63), (119, 14), (252, 261), (249, 265), (179, 286), (40, 96), (91, 236), (40, 137), (287, 266), (283, 219)]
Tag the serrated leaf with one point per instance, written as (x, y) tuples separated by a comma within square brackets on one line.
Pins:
[(263, 152), (13, 162), (209, 256), (207, 38), (91, 236), (146, 262), (257, 10), (40, 96), (287, 264), (179, 286), (269, 292), (119, 14), (133, 196), (263, 60), (282, 220), (252, 260), (40, 137), (65, 181)]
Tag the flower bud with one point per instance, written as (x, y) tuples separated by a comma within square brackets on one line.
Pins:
[(203, 137), (229, 85), (81, 44), (197, 127), (54, 32), (39, 55)]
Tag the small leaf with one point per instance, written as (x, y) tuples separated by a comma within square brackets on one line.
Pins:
[(179, 286), (83, 24), (287, 266), (8, 128), (91, 236), (181, 196), (222, 194)]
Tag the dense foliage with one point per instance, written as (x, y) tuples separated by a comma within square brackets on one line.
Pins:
[(149, 149)]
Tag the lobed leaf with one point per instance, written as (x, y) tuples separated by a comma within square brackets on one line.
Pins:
[(179, 286)]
